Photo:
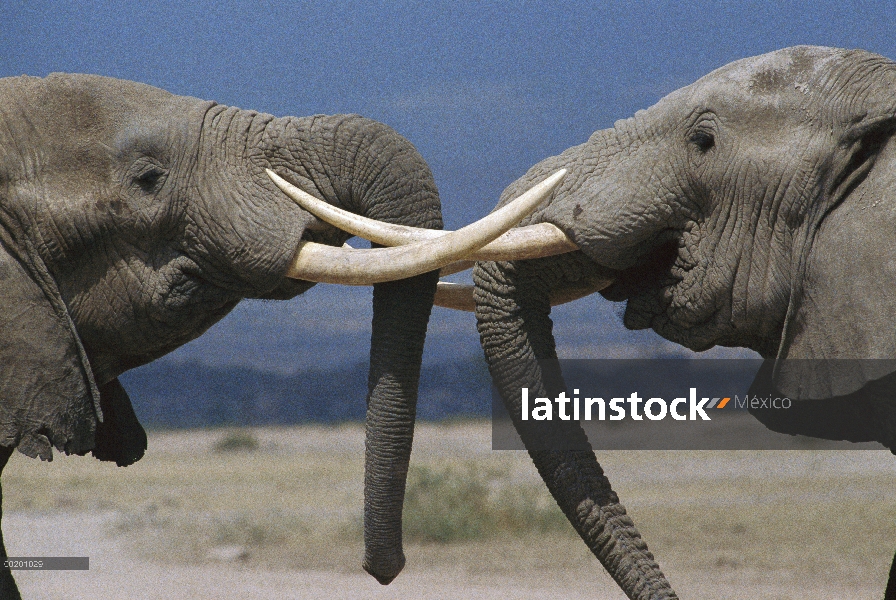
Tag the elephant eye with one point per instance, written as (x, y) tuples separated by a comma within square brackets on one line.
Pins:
[(150, 178), (703, 140)]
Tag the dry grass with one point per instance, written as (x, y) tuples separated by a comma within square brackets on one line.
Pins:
[(294, 501)]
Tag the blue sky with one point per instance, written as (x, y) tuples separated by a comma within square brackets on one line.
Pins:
[(484, 90)]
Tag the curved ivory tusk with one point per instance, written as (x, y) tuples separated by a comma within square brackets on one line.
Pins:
[(456, 267), (328, 264), (532, 241), (459, 296)]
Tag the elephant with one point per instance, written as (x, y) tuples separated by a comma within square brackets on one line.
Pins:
[(753, 208), (132, 219)]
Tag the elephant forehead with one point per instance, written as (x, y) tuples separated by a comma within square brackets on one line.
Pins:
[(776, 71), (74, 110), (784, 80)]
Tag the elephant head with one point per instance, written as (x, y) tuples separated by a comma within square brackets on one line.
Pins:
[(132, 219), (753, 208)]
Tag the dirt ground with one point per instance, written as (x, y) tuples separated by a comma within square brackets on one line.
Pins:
[(116, 573), (759, 525)]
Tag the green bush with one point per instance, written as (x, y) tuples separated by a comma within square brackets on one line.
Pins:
[(237, 440), (463, 503)]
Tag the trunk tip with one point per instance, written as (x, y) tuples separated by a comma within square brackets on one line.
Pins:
[(386, 571)]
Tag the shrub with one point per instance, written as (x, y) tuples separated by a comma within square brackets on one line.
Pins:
[(461, 503), (237, 440)]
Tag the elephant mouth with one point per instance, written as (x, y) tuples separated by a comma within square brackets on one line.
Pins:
[(658, 269), (666, 290)]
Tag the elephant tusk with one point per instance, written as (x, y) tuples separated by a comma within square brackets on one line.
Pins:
[(532, 241), (329, 264), (456, 296), (459, 296), (456, 267)]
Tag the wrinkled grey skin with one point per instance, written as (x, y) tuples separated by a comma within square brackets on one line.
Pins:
[(752, 208), (131, 220)]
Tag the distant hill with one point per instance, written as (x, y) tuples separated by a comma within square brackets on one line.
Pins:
[(305, 360), (168, 394)]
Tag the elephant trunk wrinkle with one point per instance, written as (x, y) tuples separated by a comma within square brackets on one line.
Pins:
[(401, 315), (513, 320)]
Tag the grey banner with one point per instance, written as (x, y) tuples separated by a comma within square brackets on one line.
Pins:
[(47, 563), (708, 404)]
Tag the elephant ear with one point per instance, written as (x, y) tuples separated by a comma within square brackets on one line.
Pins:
[(48, 397), (837, 358), (841, 326)]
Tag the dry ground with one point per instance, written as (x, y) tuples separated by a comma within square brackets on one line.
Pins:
[(283, 520)]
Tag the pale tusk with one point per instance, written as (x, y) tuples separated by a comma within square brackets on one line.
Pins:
[(456, 267), (328, 264), (532, 241), (450, 269), (459, 296), (387, 234)]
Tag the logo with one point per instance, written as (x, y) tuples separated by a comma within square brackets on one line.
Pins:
[(635, 407)]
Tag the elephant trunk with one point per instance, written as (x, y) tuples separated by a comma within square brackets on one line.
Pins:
[(401, 312), (513, 315), (369, 169)]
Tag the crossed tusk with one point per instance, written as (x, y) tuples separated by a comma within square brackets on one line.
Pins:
[(532, 241), (328, 264)]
